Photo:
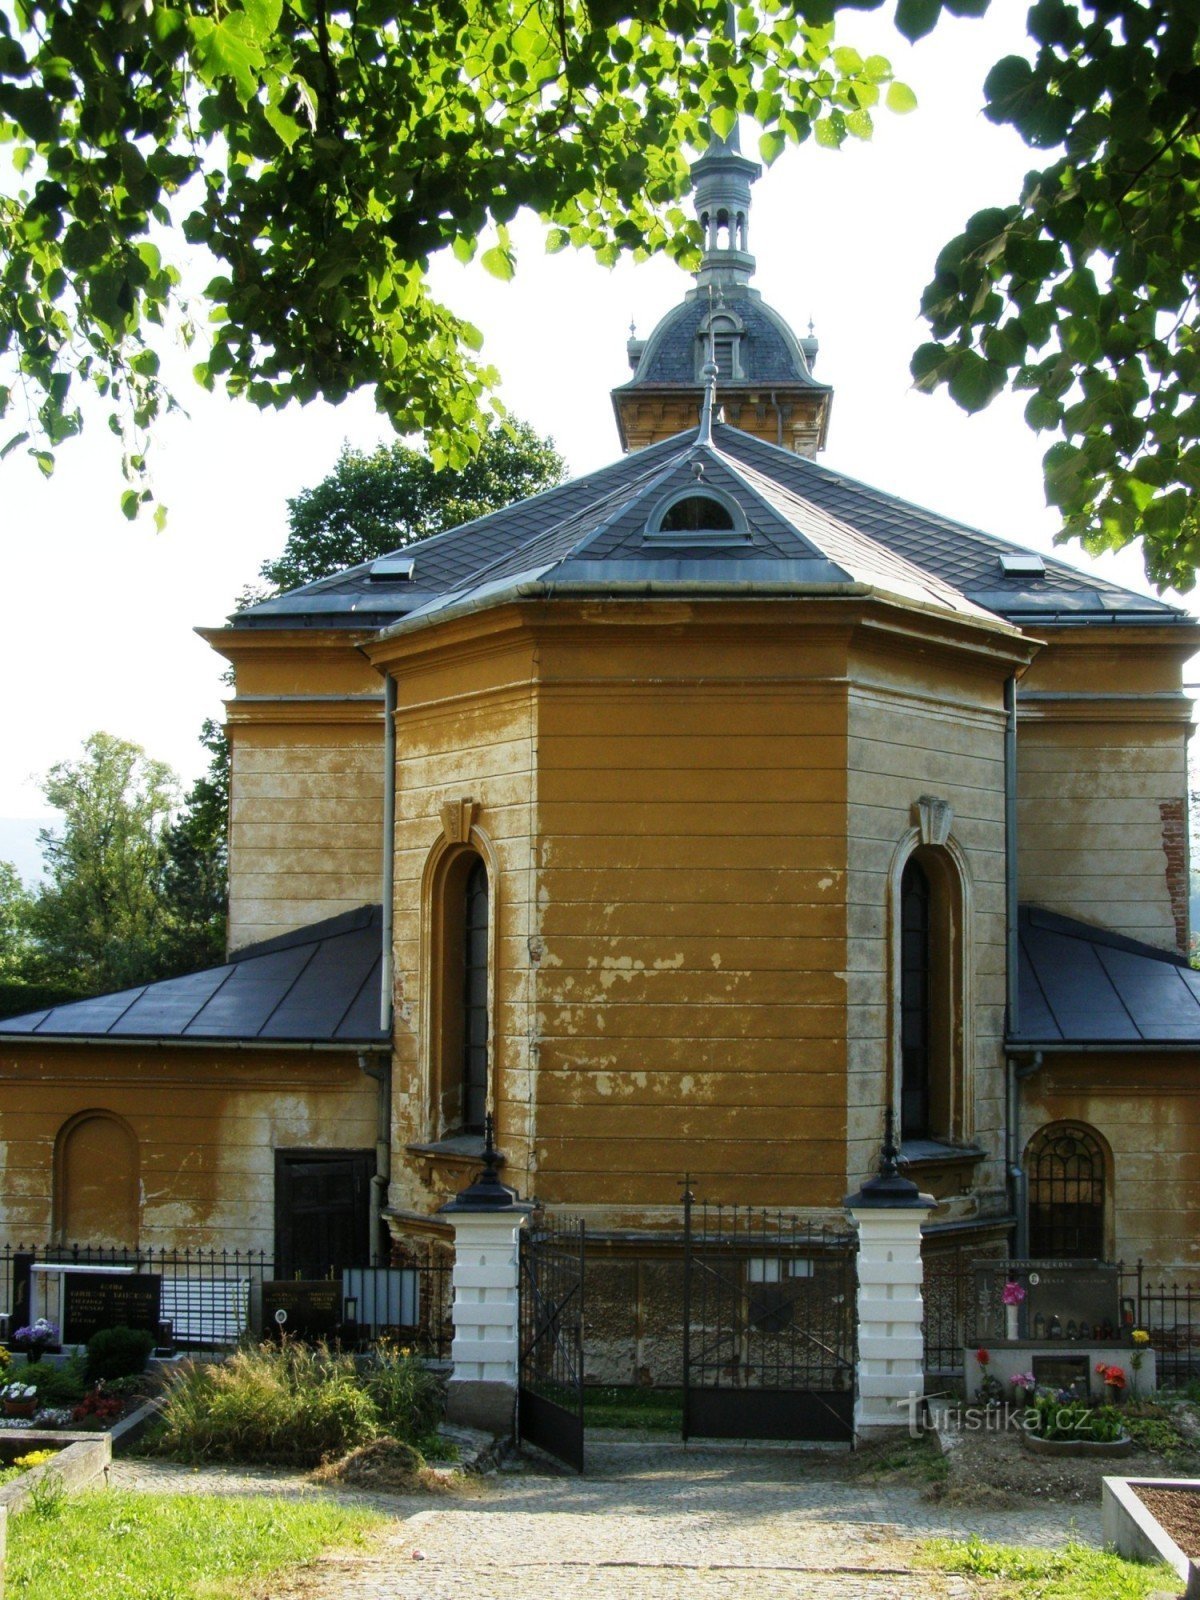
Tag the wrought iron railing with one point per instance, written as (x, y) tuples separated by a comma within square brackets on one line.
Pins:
[(213, 1299)]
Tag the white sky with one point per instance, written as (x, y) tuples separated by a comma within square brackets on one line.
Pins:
[(98, 613)]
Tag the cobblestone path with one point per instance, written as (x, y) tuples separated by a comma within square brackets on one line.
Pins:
[(645, 1524)]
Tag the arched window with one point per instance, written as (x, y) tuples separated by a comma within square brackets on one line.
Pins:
[(461, 980), (930, 963), (1065, 1170), (694, 514), (916, 1010), (475, 1000)]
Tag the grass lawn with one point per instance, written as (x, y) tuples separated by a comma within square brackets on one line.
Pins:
[(619, 1406), (1073, 1572), (114, 1545)]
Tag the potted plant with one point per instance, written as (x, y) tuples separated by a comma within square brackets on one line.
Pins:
[(991, 1390), (1140, 1340), (36, 1338), (18, 1399), (1024, 1388)]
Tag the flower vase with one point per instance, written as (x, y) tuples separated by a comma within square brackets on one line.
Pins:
[(1112, 1394), (1010, 1322), (20, 1408), (33, 1354)]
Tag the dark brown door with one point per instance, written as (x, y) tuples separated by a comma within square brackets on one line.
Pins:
[(322, 1211)]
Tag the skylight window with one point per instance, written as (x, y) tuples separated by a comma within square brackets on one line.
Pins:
[(697, 513), (1022, 564), (393, 569)]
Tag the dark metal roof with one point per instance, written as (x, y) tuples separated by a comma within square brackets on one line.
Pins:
[(795, 509), (768, 352), (318, 985), (1082, 985)]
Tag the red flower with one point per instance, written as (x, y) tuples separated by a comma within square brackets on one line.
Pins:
[(983, 1357)]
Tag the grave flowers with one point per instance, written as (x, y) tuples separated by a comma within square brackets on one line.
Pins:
[(991, 1390), (1138, 1354), (1012, 1294), (36, 1338), (1113, 1379)]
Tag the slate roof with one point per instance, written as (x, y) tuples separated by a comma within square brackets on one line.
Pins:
[(799, 514), (768, 352), (1082, 985), (318, 985)]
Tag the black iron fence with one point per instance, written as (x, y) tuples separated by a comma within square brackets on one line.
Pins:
[(961, 1310), (213, 1299)]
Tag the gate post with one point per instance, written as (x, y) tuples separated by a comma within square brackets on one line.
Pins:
[(487, 1219), (887, 1212)]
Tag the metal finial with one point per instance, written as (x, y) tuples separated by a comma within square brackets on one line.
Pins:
[(709, 373), (889, 1154), (633, 328), (812, 327)]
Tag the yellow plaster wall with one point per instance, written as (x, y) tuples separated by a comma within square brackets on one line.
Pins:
[(1102, 750), (924, 731), (207, 1124), (690, 993), (465, 731), (306, 780), (1147, 1110)]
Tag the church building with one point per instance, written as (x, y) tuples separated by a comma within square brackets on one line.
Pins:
[(683, 818)]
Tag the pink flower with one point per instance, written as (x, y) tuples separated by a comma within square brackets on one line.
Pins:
[(1012, 1293)]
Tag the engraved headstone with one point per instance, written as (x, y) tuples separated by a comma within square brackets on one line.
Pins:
[(312, 1307), (95, 1300)]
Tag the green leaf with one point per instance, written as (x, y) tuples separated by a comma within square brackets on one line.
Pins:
[(499, 263), (17, 439), (916, 18), (900, 98), (464, 248), (723, 120), (974, 381), (131, 503), (771, 146)]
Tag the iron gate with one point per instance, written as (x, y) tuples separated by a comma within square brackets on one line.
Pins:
[(550, 1397), (769, 1326)]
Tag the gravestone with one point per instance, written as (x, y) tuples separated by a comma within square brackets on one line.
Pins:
[(95, 1300), (1067, 1300), (311, 1307)]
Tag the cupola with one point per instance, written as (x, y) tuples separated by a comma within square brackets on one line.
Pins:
[(764, 373)]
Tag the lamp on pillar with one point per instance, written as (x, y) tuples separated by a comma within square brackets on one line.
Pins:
[(487, 1218), (887, 1211)]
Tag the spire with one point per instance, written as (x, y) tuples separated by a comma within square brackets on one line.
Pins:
[(721, 181)]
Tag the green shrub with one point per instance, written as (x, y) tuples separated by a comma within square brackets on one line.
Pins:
[(118, 1353), (58, 1386), (291, 1404), (406, 1394), (1075, 1419)]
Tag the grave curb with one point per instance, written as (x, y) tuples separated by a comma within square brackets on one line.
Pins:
[(1136, 1531)]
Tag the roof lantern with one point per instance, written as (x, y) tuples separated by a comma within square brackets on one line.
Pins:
[(721, 181)]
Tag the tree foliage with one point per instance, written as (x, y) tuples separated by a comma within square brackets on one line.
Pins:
[(195, 881), (96, 921), (1084, 290), (321, 151), (379, 501)]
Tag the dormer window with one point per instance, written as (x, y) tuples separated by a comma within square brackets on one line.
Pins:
[(720, 336), (699, 516), (697, 513)]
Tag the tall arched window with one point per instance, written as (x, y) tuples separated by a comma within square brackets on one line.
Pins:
[(1065, 1169), (916, 1011), (460, 987), (929, 898), (475, 1000)]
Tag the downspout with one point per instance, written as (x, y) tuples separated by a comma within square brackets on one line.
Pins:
[(381, 1072), (1012, 1119), (389, 851)]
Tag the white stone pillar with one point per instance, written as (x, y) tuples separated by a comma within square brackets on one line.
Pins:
[(487, 1219), (483, 1389), (888, 1211), (891, 1346)]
